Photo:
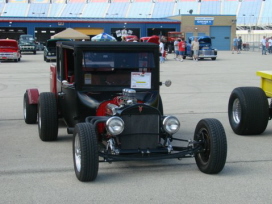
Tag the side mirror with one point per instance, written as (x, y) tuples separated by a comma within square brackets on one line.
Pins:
[(168, 83)]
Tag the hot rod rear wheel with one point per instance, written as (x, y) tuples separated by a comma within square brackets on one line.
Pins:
[(85, 152), (248, 110), (47, 117), (212, 158), (30, 111)]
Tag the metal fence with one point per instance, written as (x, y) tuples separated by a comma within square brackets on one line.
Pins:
[(252, 42)]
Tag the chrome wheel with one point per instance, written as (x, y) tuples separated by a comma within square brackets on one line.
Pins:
[(236, 111), (24, 109), (77, 153)]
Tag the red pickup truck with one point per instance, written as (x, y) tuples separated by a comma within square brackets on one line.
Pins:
[(9, 50)]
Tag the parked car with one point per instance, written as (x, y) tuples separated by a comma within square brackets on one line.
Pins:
[(27, 43), (39, 46), (108, 94), (49, 52), (9, 50), (205, 48), (151, 39), (249, 109), (130, 38)]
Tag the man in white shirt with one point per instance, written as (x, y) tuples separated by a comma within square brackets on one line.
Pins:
[(161, 47), (263, 44)]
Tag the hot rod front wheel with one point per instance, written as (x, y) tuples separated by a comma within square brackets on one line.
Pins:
[(213, 146), (85, 152), (47, 117), (30, 111), (248, 110)]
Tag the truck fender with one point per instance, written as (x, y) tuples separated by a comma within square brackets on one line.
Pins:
[(33, 96)]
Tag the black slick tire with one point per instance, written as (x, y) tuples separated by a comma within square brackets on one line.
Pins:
[(85, 152), (47, 117), (248, 111), (213, 146), (30, 111)]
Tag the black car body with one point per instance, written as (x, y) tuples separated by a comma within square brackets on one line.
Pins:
[(108, 94), (49, 50)]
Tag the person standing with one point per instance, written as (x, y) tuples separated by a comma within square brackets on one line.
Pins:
[(182, 46), (195, 48), (240, 42), (176, 42), (270, 45), (161, 49), (263, 44), (235, 45)]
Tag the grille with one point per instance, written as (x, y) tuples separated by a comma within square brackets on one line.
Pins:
[(141, 132), (206, 52)]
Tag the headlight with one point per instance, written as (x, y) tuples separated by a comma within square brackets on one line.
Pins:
[(171, 124), (115, 125), (49, 53)]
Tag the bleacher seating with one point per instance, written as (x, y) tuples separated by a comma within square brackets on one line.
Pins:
[(18, 1), (249, 12), (140, 10), (38, 10), (55, 9), (265, 17), (118, 10), (163, 9), (183, 7), (40, 1), (77, 1), (59, 1), (230, 7), (73, 10), (95, 10), (210, 7), (15, 9)]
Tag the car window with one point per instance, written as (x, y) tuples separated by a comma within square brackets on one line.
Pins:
[(118, 60), (117, 68)]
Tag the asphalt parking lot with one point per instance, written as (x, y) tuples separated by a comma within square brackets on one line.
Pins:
[(32, 171)]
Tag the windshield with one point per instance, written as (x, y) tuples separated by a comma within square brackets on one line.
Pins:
[(118, 68), (8, 44), (175, 35), (118, 60), (26, 38)]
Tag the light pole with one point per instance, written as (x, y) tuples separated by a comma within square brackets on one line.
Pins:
[(111, 15), (146, 15), (76, 14), (38, 14)]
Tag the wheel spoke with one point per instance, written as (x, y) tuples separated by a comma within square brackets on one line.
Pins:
[(236, 111), (77, 153)]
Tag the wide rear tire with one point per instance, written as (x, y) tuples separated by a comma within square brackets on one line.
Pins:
[(85, 152), (213, 143), (248, 111), (48, 117), (30, 111)]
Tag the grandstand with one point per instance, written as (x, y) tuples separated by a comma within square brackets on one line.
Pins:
[(250, 13)]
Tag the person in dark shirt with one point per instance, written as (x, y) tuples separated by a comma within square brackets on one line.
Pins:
[(239, 46)]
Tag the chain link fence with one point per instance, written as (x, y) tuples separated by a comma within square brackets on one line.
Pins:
[(252, 42)]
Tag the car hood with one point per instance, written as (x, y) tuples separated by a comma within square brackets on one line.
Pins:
[(51, 49)]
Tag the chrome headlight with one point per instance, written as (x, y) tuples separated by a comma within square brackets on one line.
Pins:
[(115, 125), (171, 124)]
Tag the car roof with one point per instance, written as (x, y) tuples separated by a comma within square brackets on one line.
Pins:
[(11, 40), (87, 44), (59, 39), (198, 37)]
